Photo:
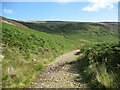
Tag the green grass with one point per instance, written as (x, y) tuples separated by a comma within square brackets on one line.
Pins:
[(78, 31), (101, 66), (28, 51)]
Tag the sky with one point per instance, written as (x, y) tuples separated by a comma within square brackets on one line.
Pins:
[(64, 10)]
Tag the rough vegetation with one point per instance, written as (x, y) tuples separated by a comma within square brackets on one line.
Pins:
[(27, 51), (101, 65)]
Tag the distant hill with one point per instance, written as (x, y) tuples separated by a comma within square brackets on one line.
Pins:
[(112, 23), (76, 30), (67, 24), (90, 31)]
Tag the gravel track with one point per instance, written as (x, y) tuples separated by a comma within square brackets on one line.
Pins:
[(62, 73)]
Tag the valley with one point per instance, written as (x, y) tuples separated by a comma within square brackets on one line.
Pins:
[(29, 48)]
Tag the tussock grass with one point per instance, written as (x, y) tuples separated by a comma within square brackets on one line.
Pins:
[(26, 52), (101, 66)]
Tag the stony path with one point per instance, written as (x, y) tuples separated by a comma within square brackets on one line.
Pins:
[(62, 73)]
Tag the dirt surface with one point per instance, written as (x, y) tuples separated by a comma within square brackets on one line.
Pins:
[(12, 22), (62, 73)]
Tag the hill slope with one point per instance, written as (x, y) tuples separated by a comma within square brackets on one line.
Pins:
[(12, 22), (79, 31), (27, 51)]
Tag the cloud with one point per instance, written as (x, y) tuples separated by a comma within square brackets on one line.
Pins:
[(96, 5), (7, 11)]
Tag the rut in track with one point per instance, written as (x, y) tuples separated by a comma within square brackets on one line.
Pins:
[(62, 73)]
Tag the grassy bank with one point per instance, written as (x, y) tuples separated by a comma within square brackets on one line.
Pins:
[(26, 52), (101, 66)]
